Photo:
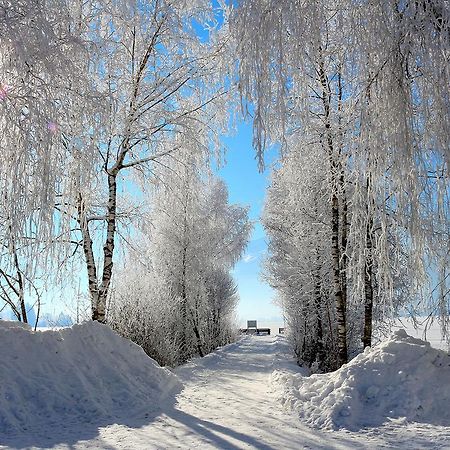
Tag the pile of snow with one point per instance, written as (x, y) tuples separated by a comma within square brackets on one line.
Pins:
[(425, 328), (401, 378), (8, 324), (83, 373)]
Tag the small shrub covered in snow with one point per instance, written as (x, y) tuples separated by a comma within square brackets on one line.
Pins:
[(402, 377)]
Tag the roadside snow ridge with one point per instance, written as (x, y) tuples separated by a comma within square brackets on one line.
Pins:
[(401, 378), (80, 374)]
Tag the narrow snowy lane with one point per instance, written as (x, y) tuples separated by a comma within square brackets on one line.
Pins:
[(227, 403)]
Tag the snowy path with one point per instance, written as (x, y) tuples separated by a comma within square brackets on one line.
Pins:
[(227, 404)]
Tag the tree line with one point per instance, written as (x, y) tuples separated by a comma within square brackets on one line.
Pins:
[(358, 210), (110, 116)]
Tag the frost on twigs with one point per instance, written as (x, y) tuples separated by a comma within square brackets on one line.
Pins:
[(359, 90)]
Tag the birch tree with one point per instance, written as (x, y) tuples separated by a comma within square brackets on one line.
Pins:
[(165, 90), (317, 70)]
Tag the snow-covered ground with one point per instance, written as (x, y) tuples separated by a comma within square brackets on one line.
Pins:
[(55, 380), (401, 380), (425, 329), (230, 400)]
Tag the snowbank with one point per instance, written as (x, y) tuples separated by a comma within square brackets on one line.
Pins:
[(8, 324), (401, 378), (83, 373), (425, 329)]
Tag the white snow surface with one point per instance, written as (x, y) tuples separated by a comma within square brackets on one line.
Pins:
[(402, 378), (80, 374), (8, 324), (426, 329), (227, 400)]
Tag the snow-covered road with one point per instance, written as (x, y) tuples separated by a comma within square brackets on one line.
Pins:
[(227, 403)]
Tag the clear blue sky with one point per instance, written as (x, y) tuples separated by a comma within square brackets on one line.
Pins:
[(247, 186)]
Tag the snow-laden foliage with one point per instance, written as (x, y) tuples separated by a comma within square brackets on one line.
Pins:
[(175, 295), (299, 267), (397, 51), (166, 92), (46, 96), (45, 93), (297, 218), (364, 86)]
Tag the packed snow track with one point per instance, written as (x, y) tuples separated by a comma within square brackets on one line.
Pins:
[(227, 403)]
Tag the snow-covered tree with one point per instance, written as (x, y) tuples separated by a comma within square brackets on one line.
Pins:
[(297, 222), (366, 101), (45, 92), (46, 96), (166, 92), (179, 270)]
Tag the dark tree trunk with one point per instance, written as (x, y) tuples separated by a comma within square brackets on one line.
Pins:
[(184, 308), (318, 307), (341, 307), (199, 341), (339, 299), (20, 285), (108, 248), (368, 287), (343, 232), (88, 256)]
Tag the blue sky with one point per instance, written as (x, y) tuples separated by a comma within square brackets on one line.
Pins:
[(247, 186)]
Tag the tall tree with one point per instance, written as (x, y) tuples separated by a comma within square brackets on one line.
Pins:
[(376, 103), (46, 94), (165, 92)]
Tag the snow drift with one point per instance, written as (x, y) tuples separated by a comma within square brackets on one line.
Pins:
[(401, 378), (83, 373)]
